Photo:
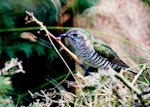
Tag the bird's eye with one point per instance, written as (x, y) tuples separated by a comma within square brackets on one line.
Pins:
[(74, 34)]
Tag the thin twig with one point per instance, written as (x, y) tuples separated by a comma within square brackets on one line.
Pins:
[(137, 76), (127, 83), (33, 19), (62, 60)]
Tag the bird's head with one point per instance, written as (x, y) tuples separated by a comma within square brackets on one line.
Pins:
[(76, 35)]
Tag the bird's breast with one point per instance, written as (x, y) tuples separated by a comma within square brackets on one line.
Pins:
[(89, 56)]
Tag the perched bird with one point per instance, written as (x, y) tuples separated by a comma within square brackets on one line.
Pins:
[(92, 51)]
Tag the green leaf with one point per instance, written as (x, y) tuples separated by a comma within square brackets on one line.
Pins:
[(26, 48), (5, 85), (40, 49)]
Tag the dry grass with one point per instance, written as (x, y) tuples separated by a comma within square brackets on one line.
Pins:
[(102, 89)]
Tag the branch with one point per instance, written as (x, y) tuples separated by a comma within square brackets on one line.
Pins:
[(30, 18), (137, 76)]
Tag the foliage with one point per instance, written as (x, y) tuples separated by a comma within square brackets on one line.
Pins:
[(84, 4), (5, 88), (147, 2), (11, 67), (5, 85), (12, 16), (78, 6), (96, 90)]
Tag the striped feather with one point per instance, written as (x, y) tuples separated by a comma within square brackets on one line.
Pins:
[(92, 51)]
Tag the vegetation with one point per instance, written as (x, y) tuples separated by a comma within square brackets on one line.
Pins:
[(146, 1), (33, 74)]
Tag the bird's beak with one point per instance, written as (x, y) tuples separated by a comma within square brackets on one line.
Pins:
[(63, 35)]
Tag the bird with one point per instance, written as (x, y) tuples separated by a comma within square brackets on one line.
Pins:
[(92, 51)]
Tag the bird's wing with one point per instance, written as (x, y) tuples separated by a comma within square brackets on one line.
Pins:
[(105, 51)]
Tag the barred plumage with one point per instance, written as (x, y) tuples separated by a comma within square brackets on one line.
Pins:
[(92, 51)]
